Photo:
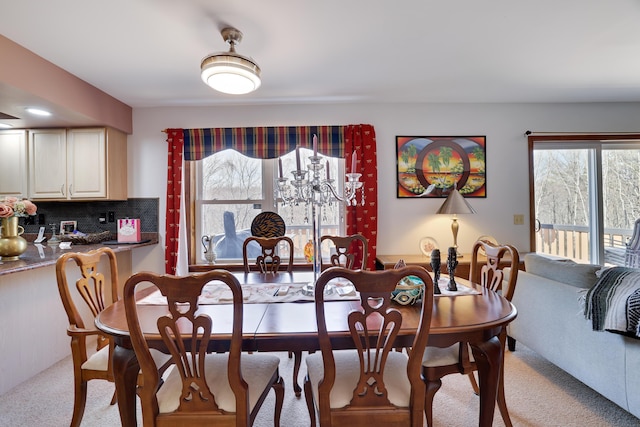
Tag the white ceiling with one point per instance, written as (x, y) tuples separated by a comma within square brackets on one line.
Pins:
[(147, 53)]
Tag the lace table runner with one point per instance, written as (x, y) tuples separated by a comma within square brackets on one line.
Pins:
[(262, 293), (218, 293)]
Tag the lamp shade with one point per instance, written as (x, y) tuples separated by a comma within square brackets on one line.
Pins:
[(455, 204)]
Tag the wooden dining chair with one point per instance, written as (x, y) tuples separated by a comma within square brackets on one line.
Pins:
[(372, 384), (347, 250), (269, 260), (97, 290), (345, 256), (204, 387), (458, 358)]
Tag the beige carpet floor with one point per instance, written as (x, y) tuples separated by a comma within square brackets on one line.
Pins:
[(538, 395)]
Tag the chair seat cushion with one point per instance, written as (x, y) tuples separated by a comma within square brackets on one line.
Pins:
[(159, 357), (257, 371), (436, 356), (348, 371), (98, 361)]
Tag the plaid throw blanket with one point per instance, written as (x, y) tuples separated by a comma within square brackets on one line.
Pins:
[(613, 303)]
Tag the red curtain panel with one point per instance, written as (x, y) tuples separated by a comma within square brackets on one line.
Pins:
[(363, 219), (175, 144)]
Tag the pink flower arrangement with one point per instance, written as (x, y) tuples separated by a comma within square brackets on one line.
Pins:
[(12, 206)]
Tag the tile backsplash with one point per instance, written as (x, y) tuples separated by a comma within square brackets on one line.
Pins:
[(87, 215)]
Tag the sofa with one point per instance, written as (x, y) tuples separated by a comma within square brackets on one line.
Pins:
[(549, 297)]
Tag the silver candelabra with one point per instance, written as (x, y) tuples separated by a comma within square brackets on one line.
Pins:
[(316, 192)]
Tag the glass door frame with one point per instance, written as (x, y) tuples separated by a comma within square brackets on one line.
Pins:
[(565, 140)]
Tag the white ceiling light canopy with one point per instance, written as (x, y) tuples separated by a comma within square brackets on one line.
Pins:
[(230, 72)]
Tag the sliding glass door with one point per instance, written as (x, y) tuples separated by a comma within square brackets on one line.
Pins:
[(562, 202), (586, 198)]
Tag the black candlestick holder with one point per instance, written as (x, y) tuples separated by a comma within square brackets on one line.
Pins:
[(435, 267), (452, 263)]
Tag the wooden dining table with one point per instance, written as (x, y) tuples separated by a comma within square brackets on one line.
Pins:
[(477, 318)]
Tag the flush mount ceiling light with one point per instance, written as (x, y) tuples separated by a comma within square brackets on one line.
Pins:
[(230, 72), (37, 111)]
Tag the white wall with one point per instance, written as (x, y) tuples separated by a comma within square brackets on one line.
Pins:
[(34, 332), (401, 222)]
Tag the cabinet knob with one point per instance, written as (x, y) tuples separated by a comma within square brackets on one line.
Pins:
[(71, 189), (62, 189)]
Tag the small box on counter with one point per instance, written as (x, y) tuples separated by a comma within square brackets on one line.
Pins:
[(128, 230)]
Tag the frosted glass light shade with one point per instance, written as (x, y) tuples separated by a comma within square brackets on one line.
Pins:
[(230, 73)]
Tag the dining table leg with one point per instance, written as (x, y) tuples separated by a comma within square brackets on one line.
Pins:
[(488, 356), (297, 361), (125, 373)]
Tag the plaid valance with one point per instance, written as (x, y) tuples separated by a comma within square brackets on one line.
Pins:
[(263, 142)]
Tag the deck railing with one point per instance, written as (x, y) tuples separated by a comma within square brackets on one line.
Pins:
[(572, 241)]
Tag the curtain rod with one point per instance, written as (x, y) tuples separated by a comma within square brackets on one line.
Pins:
[(528, 133)]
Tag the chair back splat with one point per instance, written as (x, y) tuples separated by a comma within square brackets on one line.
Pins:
[(212, 382), (269, 259), (373, 383), (489, 274), (349, 249)]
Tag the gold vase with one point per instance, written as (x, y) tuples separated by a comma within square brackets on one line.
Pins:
[(12, 245)]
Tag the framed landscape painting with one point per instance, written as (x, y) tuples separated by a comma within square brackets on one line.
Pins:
[(429, 166)]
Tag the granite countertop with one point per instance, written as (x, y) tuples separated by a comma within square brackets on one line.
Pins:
[(32, 258)]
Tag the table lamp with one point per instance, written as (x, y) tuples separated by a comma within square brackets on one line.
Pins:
[(455, 204)]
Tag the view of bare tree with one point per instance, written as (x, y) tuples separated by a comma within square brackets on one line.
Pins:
[(565, 186), (621, 187), (232, 182)]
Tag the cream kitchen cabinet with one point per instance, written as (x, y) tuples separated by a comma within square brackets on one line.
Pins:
[(77, 164), (13, 163)]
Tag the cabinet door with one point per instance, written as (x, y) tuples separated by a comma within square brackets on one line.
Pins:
[(47, 164), (13, 163), (86, 163)]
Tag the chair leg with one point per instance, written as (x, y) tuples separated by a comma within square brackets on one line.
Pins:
[(500, 398), (308, 396), (114, 399), (278, 389), (432, 388), (79, 402), (296, 370), (474, 384)]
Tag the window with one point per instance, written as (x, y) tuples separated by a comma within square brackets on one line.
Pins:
[(586, 197), (229, 189)]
